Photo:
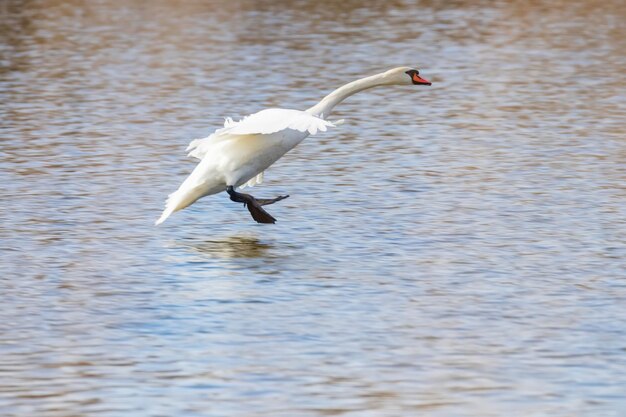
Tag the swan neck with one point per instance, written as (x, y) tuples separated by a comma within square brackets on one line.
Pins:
[(326, 105)]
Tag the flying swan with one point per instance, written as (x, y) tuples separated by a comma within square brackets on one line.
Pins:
[(238, 154)]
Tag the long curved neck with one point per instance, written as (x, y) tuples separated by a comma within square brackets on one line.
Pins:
[(326, 105)]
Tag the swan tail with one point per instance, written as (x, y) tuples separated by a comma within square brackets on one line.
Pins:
[(179, 200)]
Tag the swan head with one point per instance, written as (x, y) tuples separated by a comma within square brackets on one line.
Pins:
[(405, 76)]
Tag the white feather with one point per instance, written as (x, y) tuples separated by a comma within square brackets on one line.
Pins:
[(254, 181), (264, 122), (198, 148), (270, 121)]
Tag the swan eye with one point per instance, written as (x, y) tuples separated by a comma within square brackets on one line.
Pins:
[(416, 79), (412, 73)]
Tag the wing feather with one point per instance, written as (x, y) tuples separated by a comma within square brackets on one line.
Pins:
[(271, 121), (254, 181), (264, 122)]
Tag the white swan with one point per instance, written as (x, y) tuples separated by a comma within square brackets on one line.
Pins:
[(237, 154)]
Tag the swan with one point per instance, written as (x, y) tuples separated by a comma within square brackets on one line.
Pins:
[(238, 154)]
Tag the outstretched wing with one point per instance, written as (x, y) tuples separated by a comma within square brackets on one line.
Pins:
[(270, 121), (264, 122)]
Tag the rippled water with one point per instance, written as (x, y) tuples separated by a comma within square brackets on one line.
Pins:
[(458, 250)]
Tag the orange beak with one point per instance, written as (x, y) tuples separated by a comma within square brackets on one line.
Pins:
[(419, 80)]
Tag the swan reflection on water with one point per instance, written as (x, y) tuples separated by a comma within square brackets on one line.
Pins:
[(230, 247)]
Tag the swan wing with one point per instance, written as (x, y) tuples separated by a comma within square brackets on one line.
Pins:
[(264, 122), (198, 148), (254, 181), (271, 121)]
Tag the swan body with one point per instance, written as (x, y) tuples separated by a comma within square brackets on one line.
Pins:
[(238, 154)]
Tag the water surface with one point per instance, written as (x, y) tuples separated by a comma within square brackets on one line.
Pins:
[(458, 250)]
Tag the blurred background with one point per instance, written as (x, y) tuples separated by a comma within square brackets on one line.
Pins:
[(454, 250)]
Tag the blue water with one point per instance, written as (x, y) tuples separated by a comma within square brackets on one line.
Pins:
[(458, 250)]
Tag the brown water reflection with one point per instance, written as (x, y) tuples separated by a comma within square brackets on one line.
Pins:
[(452, 251), (231, 247)]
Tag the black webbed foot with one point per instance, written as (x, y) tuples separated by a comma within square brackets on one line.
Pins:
[(268, 201), (254, 205)]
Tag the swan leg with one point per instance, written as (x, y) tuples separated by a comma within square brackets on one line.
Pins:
[(254, 205)]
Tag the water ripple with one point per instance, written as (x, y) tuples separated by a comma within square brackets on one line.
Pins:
[(452, 251)]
